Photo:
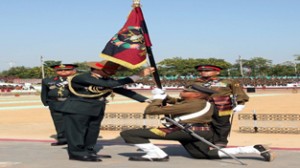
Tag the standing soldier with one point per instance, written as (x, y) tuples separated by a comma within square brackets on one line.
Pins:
[(54, 92), (230, 97), (84, 110)]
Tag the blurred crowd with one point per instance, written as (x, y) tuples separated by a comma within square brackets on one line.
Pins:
[(179, 82), (10, 87)]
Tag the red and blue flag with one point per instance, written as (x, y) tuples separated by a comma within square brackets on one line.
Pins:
[(129, 46)]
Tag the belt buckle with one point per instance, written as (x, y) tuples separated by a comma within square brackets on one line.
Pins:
[(61, 99)]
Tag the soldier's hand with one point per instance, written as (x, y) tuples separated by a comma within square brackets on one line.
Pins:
[(238, 108), (148, 101), (147, 71), (159, 96), (143, 73), (158, 91)]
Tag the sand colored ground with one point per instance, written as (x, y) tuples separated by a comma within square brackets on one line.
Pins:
[(25, 118)]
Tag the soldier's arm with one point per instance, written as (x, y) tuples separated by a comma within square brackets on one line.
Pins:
[(241, 96), (172, 100), (131, 94), (181, 108), (88, 80), (106, 83), (44, 93)]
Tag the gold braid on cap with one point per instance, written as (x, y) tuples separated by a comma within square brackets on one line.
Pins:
[(93, 89)]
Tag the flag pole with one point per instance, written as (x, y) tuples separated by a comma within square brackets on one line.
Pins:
[(136, 3), (153, 64)]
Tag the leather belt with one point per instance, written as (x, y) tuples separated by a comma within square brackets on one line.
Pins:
[(197, 128), (61, 99), (200, 126)]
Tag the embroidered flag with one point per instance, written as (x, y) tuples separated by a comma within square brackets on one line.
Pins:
[(129, 46)]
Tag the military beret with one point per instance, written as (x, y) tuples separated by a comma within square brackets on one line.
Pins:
[(208, 68), (63, 66), (198, 88)]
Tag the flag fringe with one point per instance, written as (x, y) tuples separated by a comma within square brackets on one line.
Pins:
[(121, 62)]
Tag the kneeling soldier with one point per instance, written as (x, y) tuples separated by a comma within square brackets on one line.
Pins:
[(193, 110)]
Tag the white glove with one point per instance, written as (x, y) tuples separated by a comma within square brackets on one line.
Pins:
[(177, 119), (158, 93), (238, 108), (159, 96)]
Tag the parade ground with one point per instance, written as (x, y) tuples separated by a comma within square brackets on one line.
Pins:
[(26, 131)]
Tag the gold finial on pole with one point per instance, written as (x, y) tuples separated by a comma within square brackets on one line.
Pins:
[(136, 3)]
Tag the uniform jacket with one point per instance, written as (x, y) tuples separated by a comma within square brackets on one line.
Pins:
[(230, 93), (181, 107), (52, 93), (225, 87), (95, 105)]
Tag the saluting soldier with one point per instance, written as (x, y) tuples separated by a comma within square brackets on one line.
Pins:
[(230, 97), (54, 92), (84, 110), (193, 111)]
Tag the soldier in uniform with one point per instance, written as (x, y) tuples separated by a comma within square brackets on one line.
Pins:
[(192, 110), (230, 97), (84, 110), (53, 93)]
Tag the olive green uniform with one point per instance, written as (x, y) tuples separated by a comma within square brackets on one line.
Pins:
[(53, 94), (200, 125), (229, 93), (84, 110)]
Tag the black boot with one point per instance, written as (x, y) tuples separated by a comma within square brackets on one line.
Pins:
[(265, 152), (58, 143), (87, 158), (140, 158), (93, 152)]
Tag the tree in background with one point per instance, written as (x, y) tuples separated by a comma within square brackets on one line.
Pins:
[(186, 67), (175, 67), (258, 66)]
